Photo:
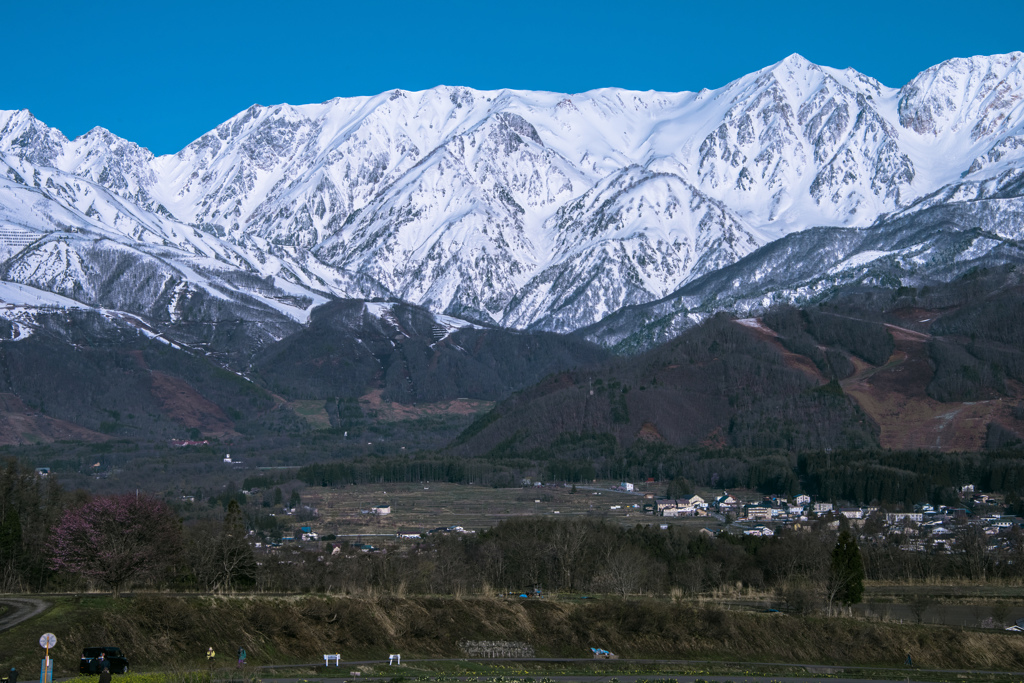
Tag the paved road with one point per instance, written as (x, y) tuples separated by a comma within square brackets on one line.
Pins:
[(816, 673), (666, 678), (21, 609)]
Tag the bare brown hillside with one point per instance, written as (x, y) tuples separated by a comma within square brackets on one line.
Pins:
[(20, 425), (895, 394)]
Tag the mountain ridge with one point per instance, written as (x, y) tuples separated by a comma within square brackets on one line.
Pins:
[(530, 210)]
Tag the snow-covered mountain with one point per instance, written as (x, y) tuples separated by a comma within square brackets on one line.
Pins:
[(524, 209)]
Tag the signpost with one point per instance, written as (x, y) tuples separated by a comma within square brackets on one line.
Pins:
[(47, 640)]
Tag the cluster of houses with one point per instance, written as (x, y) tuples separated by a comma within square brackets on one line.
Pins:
[(926, 526)]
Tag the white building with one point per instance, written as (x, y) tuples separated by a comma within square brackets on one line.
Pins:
[(896, 517)]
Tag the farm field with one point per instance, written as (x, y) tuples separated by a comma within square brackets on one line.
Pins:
[(424, 506)]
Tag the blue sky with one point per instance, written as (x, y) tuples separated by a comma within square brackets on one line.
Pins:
[(162, 74)]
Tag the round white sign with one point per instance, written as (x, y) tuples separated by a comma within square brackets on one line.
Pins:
[(47, 640)]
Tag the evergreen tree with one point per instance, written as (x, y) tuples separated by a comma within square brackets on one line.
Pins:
[(679, 487), (10, 546), (846, 578)]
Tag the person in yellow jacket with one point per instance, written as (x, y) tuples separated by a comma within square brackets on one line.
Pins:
[(210, 654)]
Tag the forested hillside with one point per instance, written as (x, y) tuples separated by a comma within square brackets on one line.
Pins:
[(84, 376), (872, 367), (412, 356), (719, 384)]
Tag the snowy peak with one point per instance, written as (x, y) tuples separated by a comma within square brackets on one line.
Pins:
[(794, 73), (982, 95), (796, 129), (25, 136)]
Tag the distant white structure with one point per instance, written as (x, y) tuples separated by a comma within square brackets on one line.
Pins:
[(626, 486), (13, 238), (898, 517), (227, 458), (382, 509)]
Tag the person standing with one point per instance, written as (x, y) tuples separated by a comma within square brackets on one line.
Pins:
[(241, 657), (210, 654), (104, 669)]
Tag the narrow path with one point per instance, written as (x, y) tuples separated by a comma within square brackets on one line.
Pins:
[(22, 609)]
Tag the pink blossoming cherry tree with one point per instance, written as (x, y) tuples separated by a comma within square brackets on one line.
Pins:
[(116, 539)]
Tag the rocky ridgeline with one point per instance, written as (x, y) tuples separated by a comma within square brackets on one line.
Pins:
[(496, 649)]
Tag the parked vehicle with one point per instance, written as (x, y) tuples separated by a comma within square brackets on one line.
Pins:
[(90, 663)]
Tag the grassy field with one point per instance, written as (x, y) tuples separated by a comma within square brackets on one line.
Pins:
[(168, 633), (427, 505), (313, 412)]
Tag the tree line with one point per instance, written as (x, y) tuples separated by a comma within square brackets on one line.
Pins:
[(899, 479), (54, 540)]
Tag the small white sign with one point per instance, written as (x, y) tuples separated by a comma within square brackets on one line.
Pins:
[(47, 640)]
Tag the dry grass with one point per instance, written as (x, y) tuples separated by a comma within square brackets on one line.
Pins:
[(172, 633), (388, 411)]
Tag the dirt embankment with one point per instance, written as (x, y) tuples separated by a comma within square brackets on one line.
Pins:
[(20, 424), (161, 632)]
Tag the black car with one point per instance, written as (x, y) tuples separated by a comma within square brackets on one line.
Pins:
[(90, 663)]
